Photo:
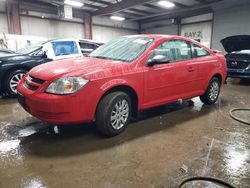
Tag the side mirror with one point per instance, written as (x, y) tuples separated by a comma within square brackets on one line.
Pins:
[(158, 59), (44, 56), (217, 51)]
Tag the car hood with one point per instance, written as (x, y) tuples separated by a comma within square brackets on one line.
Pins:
[(236, 43), (14, 57), (90, 68)]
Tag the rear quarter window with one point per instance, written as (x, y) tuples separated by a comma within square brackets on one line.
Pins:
[(199, 51)]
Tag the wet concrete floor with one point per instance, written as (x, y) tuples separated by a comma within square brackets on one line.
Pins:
[(160, 149)]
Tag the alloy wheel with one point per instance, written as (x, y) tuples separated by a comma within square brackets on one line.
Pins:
[(14, 81), (214, 91), (119, 114)]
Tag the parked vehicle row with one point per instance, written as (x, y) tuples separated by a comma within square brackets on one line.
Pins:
[(14, 65), (120, 78)]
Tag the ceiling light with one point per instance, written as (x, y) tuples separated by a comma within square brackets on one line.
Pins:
[(166, 4), (73, 3), (117, 18)]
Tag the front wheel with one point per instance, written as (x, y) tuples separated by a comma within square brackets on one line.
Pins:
[(12, 80), (113, 113), (212, 93)]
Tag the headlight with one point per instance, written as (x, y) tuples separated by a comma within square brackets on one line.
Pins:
[(67, 85), (0, 62)]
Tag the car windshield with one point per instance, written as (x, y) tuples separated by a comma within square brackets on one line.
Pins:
[(30, 48), (123, 49)]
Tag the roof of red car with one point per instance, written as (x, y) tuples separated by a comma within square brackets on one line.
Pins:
[(156, 36)]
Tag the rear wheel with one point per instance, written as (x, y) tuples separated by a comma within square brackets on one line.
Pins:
[(113, 113), (212, 93), (12, 80)]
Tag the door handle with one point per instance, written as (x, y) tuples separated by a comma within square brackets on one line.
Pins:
[(191, 69)]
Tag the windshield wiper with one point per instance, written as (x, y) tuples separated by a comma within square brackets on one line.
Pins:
[(114, 59), (101, 57)]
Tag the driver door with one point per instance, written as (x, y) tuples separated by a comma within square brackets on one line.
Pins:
[(167, 82)]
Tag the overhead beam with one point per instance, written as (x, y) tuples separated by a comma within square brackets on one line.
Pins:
[(27, 6), (101, 2), (140, 11), (178, 15), (172, 13), (201, 1), (130, 15), (125, 4)]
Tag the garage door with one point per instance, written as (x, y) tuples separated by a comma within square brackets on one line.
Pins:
[(201, 32)]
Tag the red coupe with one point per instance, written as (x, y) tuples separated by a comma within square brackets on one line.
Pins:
[(120, 78)]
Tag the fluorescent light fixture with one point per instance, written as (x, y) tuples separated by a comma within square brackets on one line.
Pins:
[(166, 4), (73, 3), (117, 18)]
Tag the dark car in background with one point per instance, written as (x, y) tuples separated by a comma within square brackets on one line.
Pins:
[(238, 55)]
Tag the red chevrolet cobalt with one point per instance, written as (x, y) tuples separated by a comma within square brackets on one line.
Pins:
[(118, 79)]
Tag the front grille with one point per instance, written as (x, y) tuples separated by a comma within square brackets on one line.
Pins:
[(237, 65), (29, 86), (35, 80), (32, 83)]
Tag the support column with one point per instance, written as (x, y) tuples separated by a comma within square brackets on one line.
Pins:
[(13, 18), (88, 26), (140, 28)]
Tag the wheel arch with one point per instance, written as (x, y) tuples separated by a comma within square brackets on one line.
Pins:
[(9, 71), (219, 76), (129, 91)]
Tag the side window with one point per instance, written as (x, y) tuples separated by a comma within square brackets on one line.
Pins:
[(199, 51), (166, 49), (175, 50), (182, 50), (86, 48)]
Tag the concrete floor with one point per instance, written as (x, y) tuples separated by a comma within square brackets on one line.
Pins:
[(163, 147)]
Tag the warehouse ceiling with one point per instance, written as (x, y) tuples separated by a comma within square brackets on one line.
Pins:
[(137, 10)]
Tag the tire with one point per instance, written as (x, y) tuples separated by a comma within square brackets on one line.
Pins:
[(107, 109), (212, 93), (11, 81)]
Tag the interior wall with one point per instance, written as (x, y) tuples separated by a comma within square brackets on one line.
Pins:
[(230, 21), (3, 23), (165, 27), (51, 28), (167, 30), (61, 29), (104, 34)]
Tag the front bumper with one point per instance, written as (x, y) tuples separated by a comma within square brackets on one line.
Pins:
[(59, 109), (238, 73)]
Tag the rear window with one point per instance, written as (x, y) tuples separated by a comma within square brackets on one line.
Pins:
[(64, 48)]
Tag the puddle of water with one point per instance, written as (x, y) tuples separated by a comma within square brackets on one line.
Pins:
[(9, 145), (33, 183)]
